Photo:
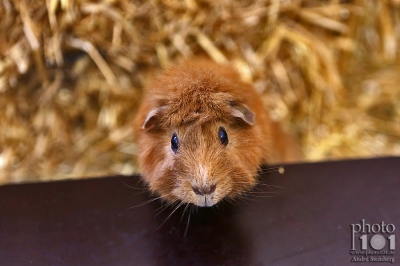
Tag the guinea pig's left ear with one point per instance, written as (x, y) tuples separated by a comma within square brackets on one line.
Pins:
[(244, 112), (152, 117)]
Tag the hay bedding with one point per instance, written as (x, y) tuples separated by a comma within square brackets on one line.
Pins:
[(72, 74)]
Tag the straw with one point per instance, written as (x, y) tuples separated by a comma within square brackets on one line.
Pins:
[(72, 74)]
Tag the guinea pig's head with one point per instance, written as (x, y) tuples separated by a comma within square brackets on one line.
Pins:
[(200, 147)]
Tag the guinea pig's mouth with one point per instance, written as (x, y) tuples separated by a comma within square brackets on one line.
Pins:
[(199, 196), (205, 195), (205, 201)]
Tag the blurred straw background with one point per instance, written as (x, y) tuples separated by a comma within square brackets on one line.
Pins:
[(72, 73)]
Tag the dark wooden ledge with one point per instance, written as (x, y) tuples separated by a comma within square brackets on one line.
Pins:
[(306, 221)]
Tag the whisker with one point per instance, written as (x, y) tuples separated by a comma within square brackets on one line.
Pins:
[(269, 186), (166, 206), (261, 192), (271, 169), (166, 219), (265, 170), (136, 188), (231, 201), (234, 201), (148, 201), (257, 196), (183, 213), (258, 182), (187, 225)]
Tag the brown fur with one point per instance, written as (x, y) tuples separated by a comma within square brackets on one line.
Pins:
[(193, 100)]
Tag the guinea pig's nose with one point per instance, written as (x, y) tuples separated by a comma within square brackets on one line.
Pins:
[(205, 190)]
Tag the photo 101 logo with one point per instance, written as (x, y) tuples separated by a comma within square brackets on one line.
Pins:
[(372, 242)]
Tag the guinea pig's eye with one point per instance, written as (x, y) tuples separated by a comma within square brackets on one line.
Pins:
[(223, 136), (174, 143)]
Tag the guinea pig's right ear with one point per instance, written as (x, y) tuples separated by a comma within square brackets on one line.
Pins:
[(152, 117), (243, 112)]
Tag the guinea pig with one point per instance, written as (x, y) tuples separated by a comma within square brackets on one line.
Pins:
[(202, 134)]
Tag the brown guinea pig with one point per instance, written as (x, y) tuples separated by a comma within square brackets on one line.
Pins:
[(202, 134)]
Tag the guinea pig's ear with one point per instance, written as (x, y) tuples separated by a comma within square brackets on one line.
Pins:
[(152, 117), (244, 112)]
